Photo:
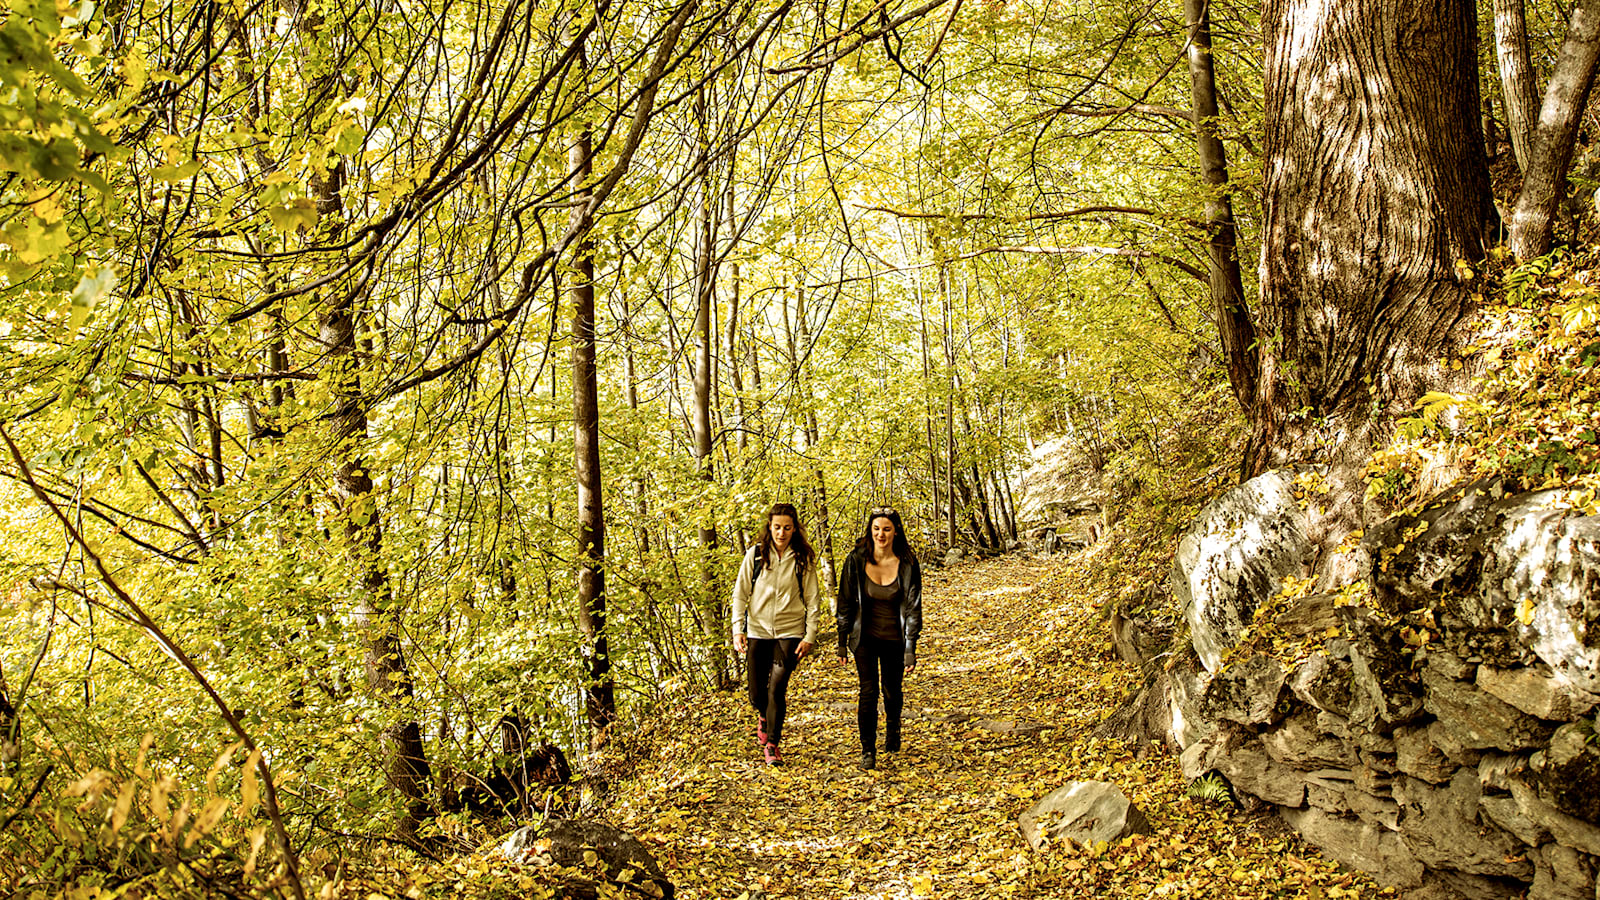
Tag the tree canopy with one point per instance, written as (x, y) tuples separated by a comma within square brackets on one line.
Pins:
[(373, 373)]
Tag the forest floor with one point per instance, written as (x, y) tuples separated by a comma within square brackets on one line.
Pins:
[(1009, 643)]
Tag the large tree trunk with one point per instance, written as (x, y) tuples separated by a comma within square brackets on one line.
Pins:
[(1518, 85), (599, 688), (1376, 189), (1222, 246), (1544, 179)]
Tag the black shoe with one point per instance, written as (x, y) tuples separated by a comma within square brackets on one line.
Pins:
[(869, 760), (891, 740)]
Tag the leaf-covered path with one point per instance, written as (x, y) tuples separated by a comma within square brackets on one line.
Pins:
[(1008, 644)]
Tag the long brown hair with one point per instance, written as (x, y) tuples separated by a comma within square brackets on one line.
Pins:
[(798, 543)]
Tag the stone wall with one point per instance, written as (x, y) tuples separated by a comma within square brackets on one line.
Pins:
[(1441, 735)]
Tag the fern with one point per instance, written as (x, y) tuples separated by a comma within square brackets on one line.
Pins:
[(1212, 788)]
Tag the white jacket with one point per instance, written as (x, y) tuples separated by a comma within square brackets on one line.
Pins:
[(772, 607)]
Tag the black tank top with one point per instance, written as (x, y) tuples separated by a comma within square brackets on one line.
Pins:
[(883, 619)]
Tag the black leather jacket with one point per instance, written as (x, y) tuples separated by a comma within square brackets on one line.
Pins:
[(852, 600)]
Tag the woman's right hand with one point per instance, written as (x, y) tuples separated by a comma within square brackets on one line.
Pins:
[(843, 659), (740, 643)]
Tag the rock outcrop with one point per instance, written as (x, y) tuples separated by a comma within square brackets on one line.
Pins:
[(1441, 734), (1234, 557)]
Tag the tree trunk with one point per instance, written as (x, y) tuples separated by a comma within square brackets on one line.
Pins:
[(1376, 186), (599, 688), (813, 432), (1518, 86), (1544, 179), (1376, 192), (704, 281), (388, 676), (1222, 246), (927, 410), (947, 342)]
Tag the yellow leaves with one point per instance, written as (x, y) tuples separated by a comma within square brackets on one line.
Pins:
[(922, 886), (133, 69), (175, 173), (119, 812), (209, 816), (247, 783), (93, 287), (1579, 316), (294, 215), (1021, 791), (1525, 611)]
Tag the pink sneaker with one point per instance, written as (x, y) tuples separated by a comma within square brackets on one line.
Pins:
[(773, 754)]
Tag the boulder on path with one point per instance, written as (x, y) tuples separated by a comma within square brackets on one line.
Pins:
[(1234, 557), (1082, 813), (568, 843)]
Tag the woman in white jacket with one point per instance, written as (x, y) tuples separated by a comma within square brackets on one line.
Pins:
[(776, 605)]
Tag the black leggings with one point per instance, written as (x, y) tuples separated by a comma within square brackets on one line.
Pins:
[(771, 663), (873, 654)]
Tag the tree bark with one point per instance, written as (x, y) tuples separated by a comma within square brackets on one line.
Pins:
[(1232, 313), (388, 675), (1544, 179), (599, 688), (704, 376), (1376, 185), (813, 433), (1518, 86)]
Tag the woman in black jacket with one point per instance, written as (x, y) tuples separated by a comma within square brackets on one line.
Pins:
[(880, 617)]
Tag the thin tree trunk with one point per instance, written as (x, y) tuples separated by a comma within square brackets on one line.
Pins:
[(704, 376), (388, 675), (927, 406), (641, 498), (1222, 245), (1544, 180), (735, 375), (1519, 88), (813, 437), (599, 688), (947, 343)]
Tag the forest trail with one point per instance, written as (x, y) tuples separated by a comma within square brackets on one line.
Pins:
[(1004, 644)]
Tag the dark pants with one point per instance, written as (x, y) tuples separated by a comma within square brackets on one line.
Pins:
[(771, 663), (872, 656)]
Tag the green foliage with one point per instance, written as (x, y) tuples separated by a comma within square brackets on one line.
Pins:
[(255, 258), (1211, 788)]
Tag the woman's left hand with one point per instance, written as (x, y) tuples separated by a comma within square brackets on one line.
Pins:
[(804, 649)]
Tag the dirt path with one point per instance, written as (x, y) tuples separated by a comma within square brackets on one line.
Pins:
[(1003, 646)]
